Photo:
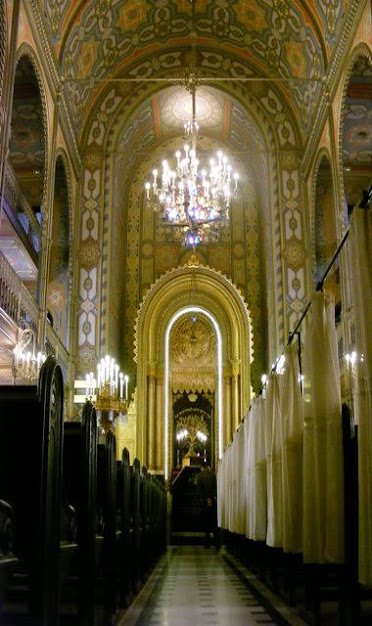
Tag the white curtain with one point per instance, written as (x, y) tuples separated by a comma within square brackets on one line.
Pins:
[(250, 448), (221, 501), (256, 518), (274, 448), (228, 488), (292, 414), (323, 509), (360, 239), (241, 463)]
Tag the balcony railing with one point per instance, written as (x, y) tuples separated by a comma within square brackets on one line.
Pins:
[(15, 299), (21, 208), (21, 308)]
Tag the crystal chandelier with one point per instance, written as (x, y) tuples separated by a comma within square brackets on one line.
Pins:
[(108, 392), (189, 197)]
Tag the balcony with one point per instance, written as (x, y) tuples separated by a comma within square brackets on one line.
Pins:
[(19, 310)]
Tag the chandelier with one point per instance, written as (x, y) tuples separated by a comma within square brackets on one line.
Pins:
[(27, 361), (192, 198), (108, 392)]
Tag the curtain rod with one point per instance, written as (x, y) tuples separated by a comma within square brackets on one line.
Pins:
[(363, 204), (319, 285)]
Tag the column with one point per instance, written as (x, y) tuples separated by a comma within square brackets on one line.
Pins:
[(159, 421), (151, 435), (235, 369), (227, 419)]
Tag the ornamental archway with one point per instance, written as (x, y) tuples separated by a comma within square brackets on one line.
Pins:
[(192, 287)]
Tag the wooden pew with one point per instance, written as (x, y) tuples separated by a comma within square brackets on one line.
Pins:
[(124, 500), (7, 558), (31, 436), (145, 550), (136, 524), (80, 483), (107, 503)]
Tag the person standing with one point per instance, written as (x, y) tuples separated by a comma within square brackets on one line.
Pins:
[(207, 486)]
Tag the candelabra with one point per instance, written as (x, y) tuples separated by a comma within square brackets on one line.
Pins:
[(191, 436), (108, 392), (27, 361)]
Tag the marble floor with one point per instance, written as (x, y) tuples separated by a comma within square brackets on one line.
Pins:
[(193, 586)]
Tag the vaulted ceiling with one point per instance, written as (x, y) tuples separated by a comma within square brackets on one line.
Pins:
[(288, 43)]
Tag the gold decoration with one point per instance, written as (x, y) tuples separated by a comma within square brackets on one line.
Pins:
[(93, 159), (193, 261), (294, 253), (193, 354), (89, 253)]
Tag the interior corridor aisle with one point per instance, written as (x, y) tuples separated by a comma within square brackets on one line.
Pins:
[(192, 586)]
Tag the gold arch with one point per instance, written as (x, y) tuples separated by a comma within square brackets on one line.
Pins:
[(187, 286)]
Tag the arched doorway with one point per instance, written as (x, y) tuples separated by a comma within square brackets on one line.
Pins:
[(193, 364), (199, 289)]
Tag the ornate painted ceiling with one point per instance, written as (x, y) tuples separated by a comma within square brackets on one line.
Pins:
[(223, 122), (284, 41)]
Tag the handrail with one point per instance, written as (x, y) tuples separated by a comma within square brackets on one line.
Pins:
[(15, 299), (363, 204)]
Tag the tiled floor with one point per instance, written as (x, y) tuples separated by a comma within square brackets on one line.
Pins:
[(192, 586)]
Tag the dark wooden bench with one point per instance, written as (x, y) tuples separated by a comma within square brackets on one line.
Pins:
[(80, 485), (124, 506), (31, 436), (8, 560), (136, 524), (107, 504)]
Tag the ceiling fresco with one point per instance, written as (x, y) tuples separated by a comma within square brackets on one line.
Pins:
[(224, 124), (146, 39), (175, 108)]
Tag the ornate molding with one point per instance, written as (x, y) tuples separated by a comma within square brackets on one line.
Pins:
[(183, 269), (54, 79), (331, 81), (3, 47)]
